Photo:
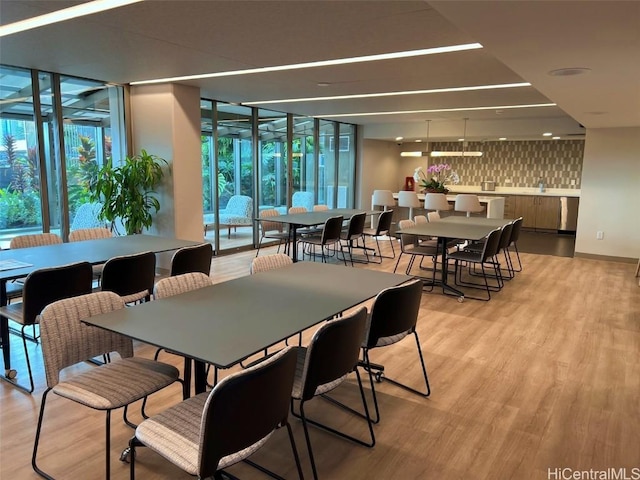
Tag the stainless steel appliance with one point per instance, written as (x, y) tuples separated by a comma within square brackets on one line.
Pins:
[(488, 186), (568, 214)]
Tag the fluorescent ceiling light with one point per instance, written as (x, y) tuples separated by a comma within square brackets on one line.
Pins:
[(392, 94), (62, 15), (456, 154), (459, 109), (322, 63), (414, 154)]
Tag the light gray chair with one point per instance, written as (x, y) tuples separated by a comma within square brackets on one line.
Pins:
[(269, 262), (468, 203), (412, 246), (408, 199)]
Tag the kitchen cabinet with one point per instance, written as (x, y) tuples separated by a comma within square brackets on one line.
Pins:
[(538, 212)]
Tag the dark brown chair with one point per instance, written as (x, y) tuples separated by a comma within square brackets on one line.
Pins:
[(383, 228), (191, 259), (328, 237), (130, 276)]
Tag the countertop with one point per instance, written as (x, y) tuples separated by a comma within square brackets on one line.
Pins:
[(548, 192)]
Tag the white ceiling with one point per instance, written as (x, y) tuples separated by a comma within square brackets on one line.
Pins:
[(522, 41)]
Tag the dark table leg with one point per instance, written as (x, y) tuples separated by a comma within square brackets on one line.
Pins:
[(200, 374), (186, 387), (294, 242), (445, 271), (4, 335)]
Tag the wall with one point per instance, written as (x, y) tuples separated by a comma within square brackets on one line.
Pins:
[(610, 194), (515, 163), (378, 170)]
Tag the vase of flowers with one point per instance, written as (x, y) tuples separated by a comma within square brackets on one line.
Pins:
[(436, 178)]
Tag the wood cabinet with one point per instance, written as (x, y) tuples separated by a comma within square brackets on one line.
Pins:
[(539, 212)]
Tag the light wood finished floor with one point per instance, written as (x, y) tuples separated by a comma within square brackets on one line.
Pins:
[(545, 375)]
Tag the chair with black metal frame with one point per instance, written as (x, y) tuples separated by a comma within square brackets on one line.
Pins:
[(353, 233), (272, 230), (515, 235), (412, 246), (130, 276), (42, 287), (195, 258), (212, 431), (383, 228), (328, 237), (175, 285), (66, 341), (392, 317), (482, 258), (332, 354), (505, 239)]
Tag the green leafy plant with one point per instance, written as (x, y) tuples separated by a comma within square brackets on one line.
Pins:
[(127, 191)]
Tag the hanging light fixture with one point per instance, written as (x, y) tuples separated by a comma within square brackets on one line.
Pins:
[(419, 153), (462, 153)]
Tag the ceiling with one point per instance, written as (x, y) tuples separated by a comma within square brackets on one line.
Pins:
[(522, 42)]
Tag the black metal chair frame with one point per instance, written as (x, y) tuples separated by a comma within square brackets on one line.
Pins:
[(394, 312), (353, 233), (383, 228), (330, 236), (282, 236)]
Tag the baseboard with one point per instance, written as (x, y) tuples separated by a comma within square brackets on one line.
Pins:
[(605, 258)]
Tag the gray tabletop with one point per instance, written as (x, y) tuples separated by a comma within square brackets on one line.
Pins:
[(92, 251), (227, 322), (467, 228), (308, 219)]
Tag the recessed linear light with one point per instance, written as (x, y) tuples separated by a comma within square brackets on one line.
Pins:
[(567, 72), (392, 94), (322, 63), (399, 138), (418, 141), (547, 134), (502, 138), (460, 109), (555, 138), (62, 15)]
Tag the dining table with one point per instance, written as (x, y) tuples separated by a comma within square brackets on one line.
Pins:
[(452, 228), (228, 322), (310, 219), (18, 263)]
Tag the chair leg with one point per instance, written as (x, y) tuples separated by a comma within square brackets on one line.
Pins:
[(34, 455), (108, 445)]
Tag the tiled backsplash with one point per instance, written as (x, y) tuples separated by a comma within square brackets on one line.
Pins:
[(517, 163)]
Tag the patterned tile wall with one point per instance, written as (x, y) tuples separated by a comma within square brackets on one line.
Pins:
[(557, 162)]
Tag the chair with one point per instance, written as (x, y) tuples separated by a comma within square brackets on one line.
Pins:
[(66, 341), (515, 235), (503, 244), (303, 199), (320, 208), (411, 245), (238, 213), (325, 364), (393, 316), (353, 233), (269, 262), (408, 200), (87, 216), (468, 203), (381, 198), (420, 219), (195, 258), (93, 233), (272, 230), (175, 285), (330, 235), (130, 276), (42, 287), (483, 257), (382, 228), (212, 431), (436, 202)]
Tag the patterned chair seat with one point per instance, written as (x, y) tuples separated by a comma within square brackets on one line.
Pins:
[(239, 212)]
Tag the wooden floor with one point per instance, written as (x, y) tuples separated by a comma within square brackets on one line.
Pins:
[(546, 375)]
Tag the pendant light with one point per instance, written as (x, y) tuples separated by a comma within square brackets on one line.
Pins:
[(419, 154)]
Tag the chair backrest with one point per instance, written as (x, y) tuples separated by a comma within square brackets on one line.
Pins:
[(436, 201), (87, 216), (332, 229), (394, 313), (34, 240), (66, 341), (356, 225), (515, 232), (240, 205), (333, 351), (466, 202), (298, 210), (404, 238), (129, 274), (47, 285), (408, 199), (383, 198), (418, 219), (505, 236), (491, 245), (384, 222), (196, 258), (433, 216), (320, 208), (267, 226), (256, 398), (270, 262), (89, 234), (303, 199), (181, 283)]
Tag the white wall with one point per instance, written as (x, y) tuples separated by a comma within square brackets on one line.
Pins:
[(378, 170), (610, 194)]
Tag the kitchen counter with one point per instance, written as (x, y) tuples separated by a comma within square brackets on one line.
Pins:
[(548, 192), (494, 204)]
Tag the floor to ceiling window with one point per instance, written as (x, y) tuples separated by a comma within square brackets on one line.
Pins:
[(272, 159), (56, 131)]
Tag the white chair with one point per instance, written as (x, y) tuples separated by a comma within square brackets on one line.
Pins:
[(468, 203), (409, 200), (436, 202), (381, 198)]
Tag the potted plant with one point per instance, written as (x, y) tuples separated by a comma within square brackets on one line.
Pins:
[(436, 178), (127, 191)]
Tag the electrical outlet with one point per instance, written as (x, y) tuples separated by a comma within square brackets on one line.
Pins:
[(599, 235)]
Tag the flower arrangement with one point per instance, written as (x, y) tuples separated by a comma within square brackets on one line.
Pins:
[(436, 178)]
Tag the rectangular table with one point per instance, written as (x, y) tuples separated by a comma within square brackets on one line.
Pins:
[(92, 251), (227, 322), (310, 219), (455, 228)]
